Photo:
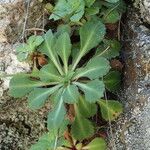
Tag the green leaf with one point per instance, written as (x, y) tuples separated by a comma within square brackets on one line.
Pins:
[(63, 28), (56, 117), (121, 7), (20, 85), (22, 56), (48, 48), (81, 128), (23, 50), (49, 73), (91, 11), (61, 130), (85, 108), (112, 16), (45, 142), (110, 109), (113, 81), (65, 144), (63, 47), (55, 98), (93, 90), (98, 4), (79, 146), (71, 94), (35, 72), (91, 34), (72, 10), (38, 96), (75, 50), (112, 1), (97, 67), (63, 127), (109, 49), (68, 77), (96, 144), (89, 3), (34, 41)]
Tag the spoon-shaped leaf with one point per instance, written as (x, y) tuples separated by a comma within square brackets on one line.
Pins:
[(20, 85), (72, 10), (49, 73), (110, 109), (56, 117), (38, 96), (71, 94), (93, 90), (48, 49), (85, 108), (81, 128), (91, 34), (113, 80), (109, 49), (97, 67), (63, 47)]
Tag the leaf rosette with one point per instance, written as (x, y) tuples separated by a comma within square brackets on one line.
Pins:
[(67, 80)]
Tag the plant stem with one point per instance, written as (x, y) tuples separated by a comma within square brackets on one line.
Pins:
[(53, 58), (58, 66), (77, 60), (66, 67), (104, 51), (55, 144)]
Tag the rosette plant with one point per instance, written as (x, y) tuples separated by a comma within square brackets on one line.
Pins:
[(75, 87)]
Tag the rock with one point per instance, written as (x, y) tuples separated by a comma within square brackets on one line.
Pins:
[(19, 126), (144, 10), (17, 17), (133, 128)]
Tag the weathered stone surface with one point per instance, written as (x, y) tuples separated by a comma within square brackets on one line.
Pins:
[(19, 126), (18, 19), (133, 128), (144, 9)]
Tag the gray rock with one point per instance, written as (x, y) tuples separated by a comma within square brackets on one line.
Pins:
[(19, 126), (144, 9), (133, 128)]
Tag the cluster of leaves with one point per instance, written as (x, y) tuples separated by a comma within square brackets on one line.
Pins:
[(74, 86), (110, 10)]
